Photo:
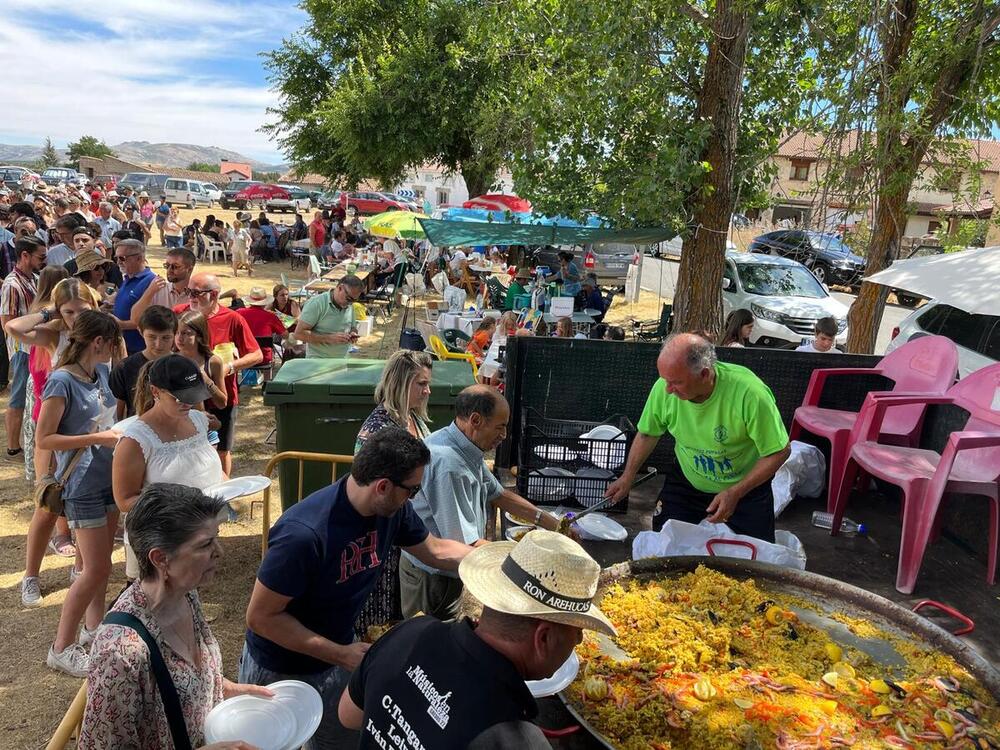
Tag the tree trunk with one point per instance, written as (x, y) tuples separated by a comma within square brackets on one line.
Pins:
[(698, 301), (478, 177)]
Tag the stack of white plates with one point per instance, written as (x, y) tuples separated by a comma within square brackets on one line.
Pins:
[(284, 722), (607, 455)]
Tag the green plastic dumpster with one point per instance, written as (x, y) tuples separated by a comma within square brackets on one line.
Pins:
[(320, 404)]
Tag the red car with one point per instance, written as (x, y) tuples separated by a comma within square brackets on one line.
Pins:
[(259, 195), (370, 203)]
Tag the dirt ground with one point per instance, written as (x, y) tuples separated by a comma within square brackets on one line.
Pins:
[(33, 697)]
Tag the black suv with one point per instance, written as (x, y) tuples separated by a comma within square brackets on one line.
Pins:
[(830, 260), (230, 191)]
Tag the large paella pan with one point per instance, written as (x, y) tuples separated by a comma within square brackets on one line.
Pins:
[(720, 653)]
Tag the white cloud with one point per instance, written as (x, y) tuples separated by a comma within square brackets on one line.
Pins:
[(138, 70)]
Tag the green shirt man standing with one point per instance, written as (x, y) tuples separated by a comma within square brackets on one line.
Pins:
[(729, 440)]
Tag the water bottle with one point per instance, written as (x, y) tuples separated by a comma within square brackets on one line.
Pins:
[(847, 526)]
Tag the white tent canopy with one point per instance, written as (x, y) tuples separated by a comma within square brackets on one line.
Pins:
[(968, 280)]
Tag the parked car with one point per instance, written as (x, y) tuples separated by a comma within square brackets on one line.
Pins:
[(212, 191), (189, 192), (229, 192), (258, 195), (411, 205), (784, 297), (328, 200), (831, 260), (65, 175), (976, 336), (11, 176), (370, 203), (152, 183), (297, 200)]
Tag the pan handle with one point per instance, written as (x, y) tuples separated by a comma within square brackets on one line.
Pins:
[(564, 732), (735, 542), (969, 624)]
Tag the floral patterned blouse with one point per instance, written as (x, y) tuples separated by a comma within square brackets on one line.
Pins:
[(380, 419), (124, 710)]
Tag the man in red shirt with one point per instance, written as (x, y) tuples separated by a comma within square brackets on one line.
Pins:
[(226, 330), (263, 323)]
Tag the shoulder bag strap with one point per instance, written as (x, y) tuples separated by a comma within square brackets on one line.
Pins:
[(168, 692), (71, 466)]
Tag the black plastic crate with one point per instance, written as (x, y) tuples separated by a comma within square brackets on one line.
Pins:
[(556, 466)]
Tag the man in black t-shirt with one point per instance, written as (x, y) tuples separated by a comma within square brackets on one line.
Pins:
[(324, 557), (436, 684)]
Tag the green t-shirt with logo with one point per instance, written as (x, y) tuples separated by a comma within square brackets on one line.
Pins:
[(719, 440)]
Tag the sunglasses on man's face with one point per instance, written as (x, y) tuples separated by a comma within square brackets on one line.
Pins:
[(192, 292), (411, 490), (123, 258)]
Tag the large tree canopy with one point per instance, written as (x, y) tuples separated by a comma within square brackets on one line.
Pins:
[(658, 112), (370, 89)]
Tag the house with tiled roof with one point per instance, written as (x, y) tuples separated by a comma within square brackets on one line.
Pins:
[(235, 170), (939, 197)]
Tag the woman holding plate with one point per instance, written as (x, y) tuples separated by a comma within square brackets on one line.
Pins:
[(175, 534)]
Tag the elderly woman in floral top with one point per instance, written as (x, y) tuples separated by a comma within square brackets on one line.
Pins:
[(174, 531), (401, 396)]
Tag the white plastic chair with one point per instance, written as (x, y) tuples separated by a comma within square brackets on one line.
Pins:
[(212, 247)]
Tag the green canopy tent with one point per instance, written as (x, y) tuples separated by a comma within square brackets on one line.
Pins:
[(465, 233)]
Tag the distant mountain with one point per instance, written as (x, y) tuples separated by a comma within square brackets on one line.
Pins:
[(167, 154), (21, 154), (182, 154)]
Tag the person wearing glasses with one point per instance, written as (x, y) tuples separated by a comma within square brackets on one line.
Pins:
[(326, 325), (234, 342), (324, 556), (171, 291), (459, 494), (130, 255)]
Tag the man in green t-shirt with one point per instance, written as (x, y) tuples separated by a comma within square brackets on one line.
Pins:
[(516, 288), (729, 440), (326, 324)]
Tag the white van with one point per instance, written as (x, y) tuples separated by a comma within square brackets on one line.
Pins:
[(189, 192)]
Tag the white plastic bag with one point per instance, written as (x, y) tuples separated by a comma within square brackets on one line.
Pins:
[(454, 297), (440, 281), (680, 538), (413, 285), (802, 475)]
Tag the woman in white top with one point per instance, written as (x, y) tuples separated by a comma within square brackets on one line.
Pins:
[(240, 248), (168, 441)]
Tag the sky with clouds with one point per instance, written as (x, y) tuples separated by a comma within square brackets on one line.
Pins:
[(179, 71)]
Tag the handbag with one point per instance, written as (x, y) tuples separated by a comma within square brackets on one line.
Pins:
[(49, 489), (164, 683)]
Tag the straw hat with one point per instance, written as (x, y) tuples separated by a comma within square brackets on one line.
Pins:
[(522, 273), (546, 575), (257, 297), (89, 260)]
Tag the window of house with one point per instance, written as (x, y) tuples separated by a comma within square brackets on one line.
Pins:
[(933, 227), (800, 170), (442, 196)]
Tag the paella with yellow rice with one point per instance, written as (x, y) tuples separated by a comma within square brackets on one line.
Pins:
[(716, 663)]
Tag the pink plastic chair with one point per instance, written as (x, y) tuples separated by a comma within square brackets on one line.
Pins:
[(969, 464), (928, 365)]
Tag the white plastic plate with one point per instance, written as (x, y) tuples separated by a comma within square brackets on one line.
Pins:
[(263, 722)]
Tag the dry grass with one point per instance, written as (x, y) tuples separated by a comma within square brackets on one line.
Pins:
[(34, 698)]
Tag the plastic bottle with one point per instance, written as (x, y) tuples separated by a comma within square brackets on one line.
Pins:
[(847, 526)]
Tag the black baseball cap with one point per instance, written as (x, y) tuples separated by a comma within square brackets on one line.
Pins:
[(179, 376)]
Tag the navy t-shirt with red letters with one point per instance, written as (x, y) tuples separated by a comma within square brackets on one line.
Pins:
[(327, 557)]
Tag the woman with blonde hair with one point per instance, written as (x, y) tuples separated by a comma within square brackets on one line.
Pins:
[(75, 422), (401, 395)]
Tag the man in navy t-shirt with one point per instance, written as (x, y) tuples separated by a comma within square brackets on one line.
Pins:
[(324, 557)]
